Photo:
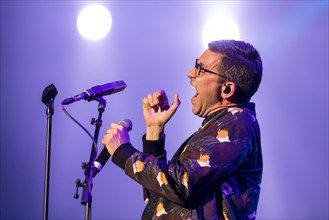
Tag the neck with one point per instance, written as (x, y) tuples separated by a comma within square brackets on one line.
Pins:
[(225, 104)]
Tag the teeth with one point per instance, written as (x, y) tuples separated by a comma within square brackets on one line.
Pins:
[(196, 92)]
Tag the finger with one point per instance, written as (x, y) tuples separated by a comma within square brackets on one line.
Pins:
[(176, 100), (105, 138), (115, 127), (108, 131), (162, 99), (175, 103), (150, 99), (161, 95), (155, 98), (146, 103)]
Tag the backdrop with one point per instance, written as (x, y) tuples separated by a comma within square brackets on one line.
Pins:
[(151, 46)]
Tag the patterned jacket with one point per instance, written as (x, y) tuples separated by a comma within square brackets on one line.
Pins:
[(215, 174)]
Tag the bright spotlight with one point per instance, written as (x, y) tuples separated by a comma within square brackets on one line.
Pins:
[(94, 22), (221, 28)]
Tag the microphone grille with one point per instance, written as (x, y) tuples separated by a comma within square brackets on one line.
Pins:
[(126, 123)]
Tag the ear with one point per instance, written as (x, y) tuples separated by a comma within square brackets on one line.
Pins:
[(228, 89)]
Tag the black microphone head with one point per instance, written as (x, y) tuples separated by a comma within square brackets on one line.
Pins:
[(126, 123), (49, 94)]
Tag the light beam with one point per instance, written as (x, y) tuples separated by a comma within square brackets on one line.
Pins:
[(220, 28)]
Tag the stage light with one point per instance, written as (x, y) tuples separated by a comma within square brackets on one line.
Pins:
[(94, 22), (220, 28)]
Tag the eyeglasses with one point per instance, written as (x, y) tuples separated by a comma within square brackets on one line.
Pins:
[(198, 69)]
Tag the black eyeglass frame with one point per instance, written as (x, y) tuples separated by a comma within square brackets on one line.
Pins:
[(198, 69)]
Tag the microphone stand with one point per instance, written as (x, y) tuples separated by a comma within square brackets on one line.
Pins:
[(48, 97), (87, 185)]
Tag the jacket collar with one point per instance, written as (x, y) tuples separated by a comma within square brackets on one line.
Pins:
[(250, 106)]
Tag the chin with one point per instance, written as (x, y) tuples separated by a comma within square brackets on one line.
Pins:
[(197, 113)]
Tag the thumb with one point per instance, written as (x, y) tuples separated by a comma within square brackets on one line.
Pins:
[(175, 103)]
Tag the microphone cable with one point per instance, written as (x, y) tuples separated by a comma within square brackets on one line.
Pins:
[(83, 128)]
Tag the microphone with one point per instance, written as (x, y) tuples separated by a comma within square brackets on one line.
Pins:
[(104, 155), (97, 91)]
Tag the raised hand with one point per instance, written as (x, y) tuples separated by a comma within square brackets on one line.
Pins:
[(157, 112)]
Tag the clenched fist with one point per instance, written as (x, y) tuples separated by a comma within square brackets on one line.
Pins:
[(115, 136)]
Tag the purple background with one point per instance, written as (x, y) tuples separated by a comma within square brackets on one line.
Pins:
[(151, 46)]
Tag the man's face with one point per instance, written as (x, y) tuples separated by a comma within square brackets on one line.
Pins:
[(208, 93)]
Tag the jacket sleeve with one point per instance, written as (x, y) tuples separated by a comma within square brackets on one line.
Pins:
[(210, 156), (157, 149)]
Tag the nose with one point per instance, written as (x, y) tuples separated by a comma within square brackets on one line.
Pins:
[(191, 74)]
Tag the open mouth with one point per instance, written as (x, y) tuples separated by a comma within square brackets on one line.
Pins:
[(196, 92)]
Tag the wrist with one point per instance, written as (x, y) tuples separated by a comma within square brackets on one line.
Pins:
[(154, 133), (122, 154)]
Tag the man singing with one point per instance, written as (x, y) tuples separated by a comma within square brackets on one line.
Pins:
[(216, 173)]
